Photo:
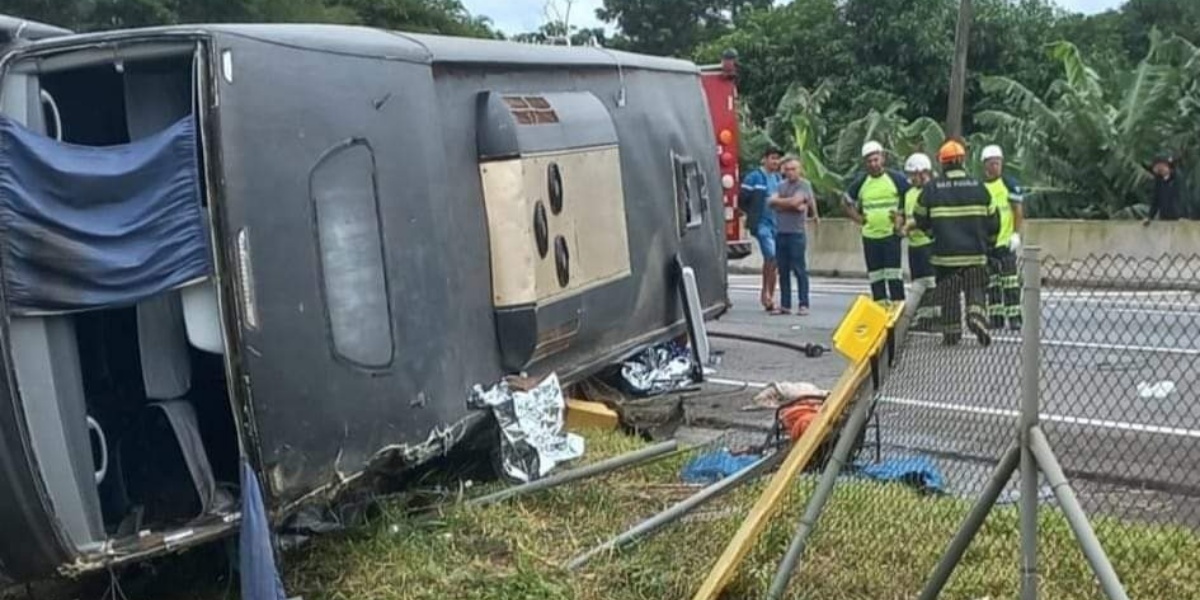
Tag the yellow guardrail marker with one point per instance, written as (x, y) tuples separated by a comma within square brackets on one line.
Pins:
[(862, 334), (859, 332)]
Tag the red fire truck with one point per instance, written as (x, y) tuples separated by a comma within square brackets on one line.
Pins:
[(720, 88)]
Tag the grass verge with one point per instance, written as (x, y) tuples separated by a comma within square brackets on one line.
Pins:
[(875, 542)]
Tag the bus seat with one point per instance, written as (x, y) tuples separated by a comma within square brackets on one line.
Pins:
[(162, 341), (203, 317)]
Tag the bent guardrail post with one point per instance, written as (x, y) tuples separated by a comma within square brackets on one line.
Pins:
[(677, 511), (861, 335), (841, 454), (600, 468)]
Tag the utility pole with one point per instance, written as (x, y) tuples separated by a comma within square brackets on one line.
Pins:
[(555, 16), (958, 74)]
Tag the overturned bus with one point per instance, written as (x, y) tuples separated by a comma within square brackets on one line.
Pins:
[(302, 246)]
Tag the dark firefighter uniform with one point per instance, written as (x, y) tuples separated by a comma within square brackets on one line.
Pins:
[(957, 212), (920, 265), (1004, 286)]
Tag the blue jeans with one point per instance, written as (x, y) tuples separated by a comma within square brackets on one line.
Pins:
[(790, 249)]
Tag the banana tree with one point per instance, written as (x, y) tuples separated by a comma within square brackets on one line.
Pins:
[(1087, 147)]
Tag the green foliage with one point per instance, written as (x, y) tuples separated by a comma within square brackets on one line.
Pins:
[(821, 77), (1088, 140), (673, 28), (430, 16)]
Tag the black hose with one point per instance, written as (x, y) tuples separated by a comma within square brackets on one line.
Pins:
[(809, 350)]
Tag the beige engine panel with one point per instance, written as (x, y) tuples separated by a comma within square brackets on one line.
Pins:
[(592, 223)]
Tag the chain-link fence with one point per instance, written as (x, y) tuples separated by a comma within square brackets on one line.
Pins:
[(1119, 403)]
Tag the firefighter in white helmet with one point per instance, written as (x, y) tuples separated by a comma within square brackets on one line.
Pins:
[(919, 168), (874, 200), (1004, 285)]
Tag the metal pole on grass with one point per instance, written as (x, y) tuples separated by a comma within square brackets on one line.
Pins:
[(604, 466), (978, 514), (675, 512), (1031, 332), (1076, 517)]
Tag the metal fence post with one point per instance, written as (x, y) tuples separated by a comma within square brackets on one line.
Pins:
[(1031, 333)]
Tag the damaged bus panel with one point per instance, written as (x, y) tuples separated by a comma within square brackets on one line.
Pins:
[(206, 262)]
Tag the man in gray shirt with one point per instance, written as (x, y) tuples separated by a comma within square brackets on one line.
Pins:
[(793, 203)]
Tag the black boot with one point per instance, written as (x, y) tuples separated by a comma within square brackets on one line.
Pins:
[(978, 326), (1014, 323), (951, 339)]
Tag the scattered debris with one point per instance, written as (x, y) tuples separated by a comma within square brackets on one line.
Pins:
[(796, 417), (658, 418), (583, 414), (531, 422), (780, 393), (1156, 391), (664, 368)]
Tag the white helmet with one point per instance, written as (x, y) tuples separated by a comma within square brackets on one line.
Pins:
[(870, 148), (990, 152), (918, 163)]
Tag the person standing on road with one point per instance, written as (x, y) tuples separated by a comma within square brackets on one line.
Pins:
[(957, 212), (759, 185), (919, 169), (1004, 285), (1168, 193), (793, 203), (873, 200)]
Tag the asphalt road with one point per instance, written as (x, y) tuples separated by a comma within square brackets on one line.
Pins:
[(1130, 452), (757, 364)]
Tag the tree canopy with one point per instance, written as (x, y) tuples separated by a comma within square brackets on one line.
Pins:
[(448, 17), (1080, 102)]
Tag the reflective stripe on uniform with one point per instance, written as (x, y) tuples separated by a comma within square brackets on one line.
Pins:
[(950, 212), (959, 261)]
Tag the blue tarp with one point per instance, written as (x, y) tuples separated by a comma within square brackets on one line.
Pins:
[(917, 471), (88, 227), (715, 466)]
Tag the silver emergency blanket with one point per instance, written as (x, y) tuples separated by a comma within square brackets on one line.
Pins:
[(658, 370), (532, 439)]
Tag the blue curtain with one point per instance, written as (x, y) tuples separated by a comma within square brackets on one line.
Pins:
[(256, 558), (92, 227)]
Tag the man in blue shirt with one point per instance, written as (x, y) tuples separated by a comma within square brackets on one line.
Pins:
[(757, 186)]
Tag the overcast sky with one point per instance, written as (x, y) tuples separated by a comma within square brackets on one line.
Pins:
[(516, 16)]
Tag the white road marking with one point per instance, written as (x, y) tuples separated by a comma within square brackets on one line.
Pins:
[(1085, 345), (1155, 311), (1005, 413), (1064, 419)]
